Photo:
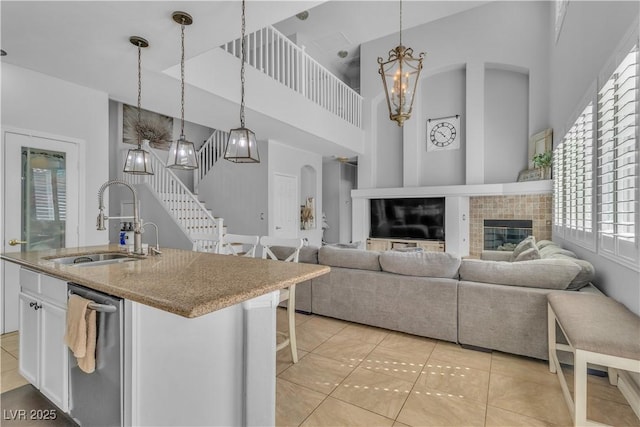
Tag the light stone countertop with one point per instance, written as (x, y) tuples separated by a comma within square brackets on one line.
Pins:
[(186, 283)]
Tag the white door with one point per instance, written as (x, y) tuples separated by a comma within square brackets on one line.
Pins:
[(40, 204), (286, 212)]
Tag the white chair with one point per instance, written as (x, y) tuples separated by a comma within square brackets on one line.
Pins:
[(287, 294), (230, 242), (205, 242)]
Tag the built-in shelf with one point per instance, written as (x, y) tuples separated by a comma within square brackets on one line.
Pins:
[(506, 189)]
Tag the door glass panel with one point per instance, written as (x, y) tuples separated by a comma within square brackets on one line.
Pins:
[(44, 199)]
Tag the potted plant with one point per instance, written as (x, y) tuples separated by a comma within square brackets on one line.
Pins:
[(544, 161)]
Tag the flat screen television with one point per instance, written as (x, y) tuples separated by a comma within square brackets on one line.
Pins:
[(414, 218)]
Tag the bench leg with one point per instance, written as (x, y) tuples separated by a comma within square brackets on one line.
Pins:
[(551, 326), (613, 376), (580, 389)]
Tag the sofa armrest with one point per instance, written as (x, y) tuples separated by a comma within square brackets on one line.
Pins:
[(495, 255)]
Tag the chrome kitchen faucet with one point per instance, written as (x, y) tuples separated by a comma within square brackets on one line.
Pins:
[(137, 228)]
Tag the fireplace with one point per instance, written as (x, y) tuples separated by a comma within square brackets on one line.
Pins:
[(505, 234)]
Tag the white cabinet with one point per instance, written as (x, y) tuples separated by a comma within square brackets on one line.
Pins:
[(42, 318)]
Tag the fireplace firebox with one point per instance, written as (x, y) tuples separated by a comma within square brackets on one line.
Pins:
[(505, 234)]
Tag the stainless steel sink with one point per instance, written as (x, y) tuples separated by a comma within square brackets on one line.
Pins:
[(91, 260)]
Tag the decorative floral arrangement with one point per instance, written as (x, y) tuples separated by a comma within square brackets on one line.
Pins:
[(543, 160), (153, 127)]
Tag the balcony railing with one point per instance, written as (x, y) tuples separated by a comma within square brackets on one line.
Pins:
[(274, 54)]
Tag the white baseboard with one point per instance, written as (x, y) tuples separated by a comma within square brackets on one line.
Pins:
[(630, 390)]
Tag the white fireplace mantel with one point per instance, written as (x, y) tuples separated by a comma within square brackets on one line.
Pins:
[(506, 189)]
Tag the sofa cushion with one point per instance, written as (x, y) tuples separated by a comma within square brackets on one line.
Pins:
[(528, 243), (349, 258), (584, 277), (528, 255), (424, 264), (544, 243), (555, 250), (537, 273)]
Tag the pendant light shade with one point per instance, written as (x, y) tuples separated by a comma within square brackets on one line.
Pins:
[(241, 145), (138, 160), (400, 74), (182, 153)]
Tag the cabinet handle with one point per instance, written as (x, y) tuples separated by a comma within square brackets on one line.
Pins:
[(37, 307), (32, 304)]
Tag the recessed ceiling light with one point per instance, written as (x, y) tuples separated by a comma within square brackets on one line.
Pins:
[(303, 15), (2, 52), (343, 54)]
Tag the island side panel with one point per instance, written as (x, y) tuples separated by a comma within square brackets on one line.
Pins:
[(181, 371)]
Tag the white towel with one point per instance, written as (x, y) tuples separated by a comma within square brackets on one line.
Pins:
[(81, 332)]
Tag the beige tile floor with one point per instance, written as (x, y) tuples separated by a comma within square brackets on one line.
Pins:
[(9, 363), (355, 375), (352, 375)]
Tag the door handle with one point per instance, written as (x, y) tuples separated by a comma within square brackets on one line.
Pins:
[(278, 228), (14, 242)]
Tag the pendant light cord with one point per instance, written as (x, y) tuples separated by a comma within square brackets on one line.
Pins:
[(139, 92), (182, 81), (242, 80)]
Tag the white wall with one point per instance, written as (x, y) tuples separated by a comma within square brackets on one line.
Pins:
[(38, 102), (591, 32), (442, 94), (505, 125), (238, 193), (389, 150), (513, 34), (287, 160)]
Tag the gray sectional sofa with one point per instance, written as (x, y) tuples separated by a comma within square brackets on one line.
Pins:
[(493, 303)]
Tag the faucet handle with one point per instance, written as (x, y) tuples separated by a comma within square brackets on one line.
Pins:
[(100, 221)]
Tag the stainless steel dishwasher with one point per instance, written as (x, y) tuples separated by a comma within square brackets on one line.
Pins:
[(95, 399)]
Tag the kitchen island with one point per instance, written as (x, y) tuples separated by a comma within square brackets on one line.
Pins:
[(199, 330)]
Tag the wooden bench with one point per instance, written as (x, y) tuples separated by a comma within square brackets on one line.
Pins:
[(599, 330)]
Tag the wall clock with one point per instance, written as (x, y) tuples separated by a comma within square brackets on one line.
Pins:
[(443, 133)]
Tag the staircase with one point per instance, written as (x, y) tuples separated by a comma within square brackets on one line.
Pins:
[(190, 214), (210, 152)]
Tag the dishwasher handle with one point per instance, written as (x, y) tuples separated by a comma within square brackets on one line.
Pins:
[(102, 308)]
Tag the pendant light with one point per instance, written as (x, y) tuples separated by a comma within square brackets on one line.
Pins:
[(400, 75), (182, 153), (242, 146), (138, 160)]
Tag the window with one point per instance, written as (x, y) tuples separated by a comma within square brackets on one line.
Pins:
[(618, 162), (573, 185)]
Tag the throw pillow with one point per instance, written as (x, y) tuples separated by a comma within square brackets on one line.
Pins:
[(423, 264), (586, 275), (528, 243), (528, 255), (537, 273), (555, 250), (544, 243)]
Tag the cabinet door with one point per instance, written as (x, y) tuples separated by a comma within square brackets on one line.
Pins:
[(53, 355), (29, 338)]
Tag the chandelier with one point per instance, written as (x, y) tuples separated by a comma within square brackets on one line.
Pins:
[(400, 75)]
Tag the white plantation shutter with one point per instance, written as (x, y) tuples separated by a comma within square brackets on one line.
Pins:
[(573, 185), (618, 162), (558, 190)]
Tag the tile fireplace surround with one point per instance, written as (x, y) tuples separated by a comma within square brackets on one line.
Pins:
[(536, 207)]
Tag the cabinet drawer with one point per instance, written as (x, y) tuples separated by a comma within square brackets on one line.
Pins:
[(30, 280), (53, 289)]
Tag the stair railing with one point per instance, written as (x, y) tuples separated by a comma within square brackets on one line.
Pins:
[(272, 53), (210, 152), (190, 214)]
